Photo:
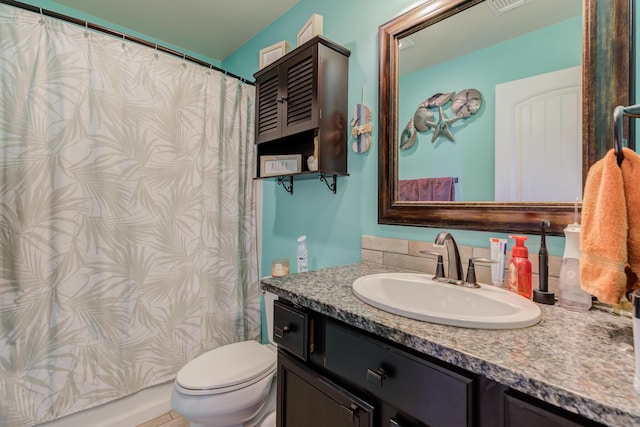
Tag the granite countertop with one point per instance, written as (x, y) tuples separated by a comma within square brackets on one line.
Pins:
[(580, 361)]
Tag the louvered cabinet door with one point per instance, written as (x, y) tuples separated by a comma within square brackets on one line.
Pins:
[(286, 98), (300, 105), (268, 107)]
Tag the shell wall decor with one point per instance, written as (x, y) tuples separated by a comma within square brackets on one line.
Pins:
[(463, 104)]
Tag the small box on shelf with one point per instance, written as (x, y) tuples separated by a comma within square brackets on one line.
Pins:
[(280, 165)]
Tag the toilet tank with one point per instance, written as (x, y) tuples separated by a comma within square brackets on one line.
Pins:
[(269, 298)]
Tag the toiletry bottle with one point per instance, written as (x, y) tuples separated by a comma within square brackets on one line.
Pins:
[(570, 295), (520, 268), (635, 314), (301, 255), (498, 253)]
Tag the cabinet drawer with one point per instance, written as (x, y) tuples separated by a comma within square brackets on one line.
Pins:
[(521, 411), (291, 329), (432, 394)]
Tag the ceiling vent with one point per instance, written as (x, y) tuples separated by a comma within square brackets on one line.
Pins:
[(498, 7), (405, 42)]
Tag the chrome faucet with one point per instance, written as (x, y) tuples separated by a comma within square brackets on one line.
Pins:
[(444, 239)]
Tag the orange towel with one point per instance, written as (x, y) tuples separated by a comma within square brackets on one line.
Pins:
[(610, 227), (631, 179)]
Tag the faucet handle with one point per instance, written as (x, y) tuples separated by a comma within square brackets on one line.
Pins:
[(439, 266), (471, 270)]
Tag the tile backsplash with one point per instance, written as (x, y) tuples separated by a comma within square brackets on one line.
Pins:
[(403, 253)]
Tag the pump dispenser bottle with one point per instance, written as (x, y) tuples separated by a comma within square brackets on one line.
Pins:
[(520, 268), (302, 255), (570, 295)]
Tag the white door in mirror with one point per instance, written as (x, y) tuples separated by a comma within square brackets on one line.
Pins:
[(539, 138)]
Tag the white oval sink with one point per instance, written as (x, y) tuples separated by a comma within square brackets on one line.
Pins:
[(419, 297)]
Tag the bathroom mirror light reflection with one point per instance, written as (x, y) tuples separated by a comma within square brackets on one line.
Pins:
[(467, 63)]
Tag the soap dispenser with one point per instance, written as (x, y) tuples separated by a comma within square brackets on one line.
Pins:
[(570, 295), (520, 268), (301, 254)]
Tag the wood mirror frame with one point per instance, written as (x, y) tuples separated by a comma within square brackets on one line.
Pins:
[(607, 61)]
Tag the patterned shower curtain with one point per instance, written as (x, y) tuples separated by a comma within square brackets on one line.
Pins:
[(127, 220)]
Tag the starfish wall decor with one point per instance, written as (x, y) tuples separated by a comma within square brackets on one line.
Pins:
[(463, 104)]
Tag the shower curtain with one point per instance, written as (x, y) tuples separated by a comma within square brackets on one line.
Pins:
[(127, 220)]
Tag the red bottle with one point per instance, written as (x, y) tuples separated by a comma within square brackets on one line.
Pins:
[(520, 268)]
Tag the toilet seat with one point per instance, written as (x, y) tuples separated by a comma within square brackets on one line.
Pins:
[(227, 368)]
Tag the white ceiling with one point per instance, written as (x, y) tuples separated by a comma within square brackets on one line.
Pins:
[(212, 28)]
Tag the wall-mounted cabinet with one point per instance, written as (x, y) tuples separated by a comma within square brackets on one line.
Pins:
[(301, 109)]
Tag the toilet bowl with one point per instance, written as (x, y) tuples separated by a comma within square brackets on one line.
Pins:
[(230, 386)]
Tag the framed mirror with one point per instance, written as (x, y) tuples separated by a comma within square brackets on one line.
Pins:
[(606, 62)]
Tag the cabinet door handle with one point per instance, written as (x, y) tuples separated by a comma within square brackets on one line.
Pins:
[(281, 99), (281, 331), (376, 377), (394, 423)]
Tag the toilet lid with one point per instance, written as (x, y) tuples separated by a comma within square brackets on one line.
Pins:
[(227, 366)]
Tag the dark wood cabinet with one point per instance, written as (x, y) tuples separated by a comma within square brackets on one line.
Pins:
[(522, 411), (301, 107), (332, 374), (414, 386), (307, 399)]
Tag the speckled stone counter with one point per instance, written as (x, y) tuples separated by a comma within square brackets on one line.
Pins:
[(580, 361)]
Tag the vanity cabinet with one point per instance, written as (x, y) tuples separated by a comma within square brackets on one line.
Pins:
[(521, 411), (305, 398), (414, 386), (333, 374), (301, 103)]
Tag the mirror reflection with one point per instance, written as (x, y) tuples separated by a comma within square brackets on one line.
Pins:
[(493, 114), (607, 52)]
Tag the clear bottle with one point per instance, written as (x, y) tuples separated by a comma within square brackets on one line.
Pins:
[(635, 310), (520, 268), (570, 295), (302, 255)]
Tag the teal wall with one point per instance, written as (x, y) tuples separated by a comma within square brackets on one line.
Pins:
[(335, 223), (471, 157)]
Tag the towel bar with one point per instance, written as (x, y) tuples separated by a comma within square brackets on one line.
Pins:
[(618, 115)]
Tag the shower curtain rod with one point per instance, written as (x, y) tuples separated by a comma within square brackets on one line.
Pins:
[(118, 34)]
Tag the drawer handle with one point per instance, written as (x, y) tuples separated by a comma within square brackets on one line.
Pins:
[(281, 331), (394, 423), (376, 377)]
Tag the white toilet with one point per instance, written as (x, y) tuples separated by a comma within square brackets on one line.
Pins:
[(230, 386)]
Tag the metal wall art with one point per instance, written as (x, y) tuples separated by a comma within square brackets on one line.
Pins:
[(463, 104), (361, 124)]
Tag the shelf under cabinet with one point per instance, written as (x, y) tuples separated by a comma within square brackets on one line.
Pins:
[(322, 175)]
